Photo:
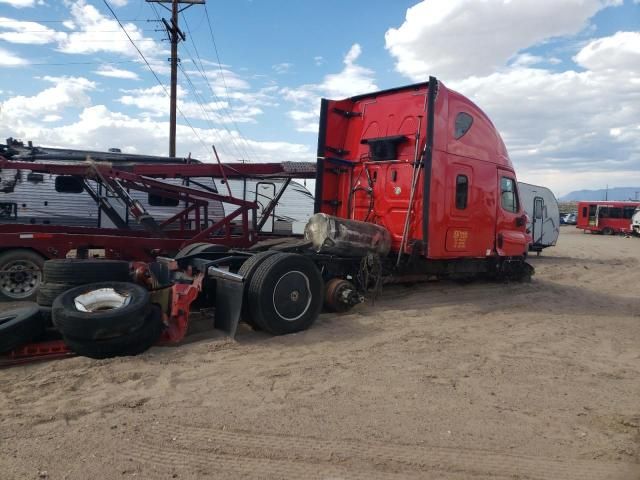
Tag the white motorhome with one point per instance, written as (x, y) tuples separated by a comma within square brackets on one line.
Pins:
[(541, 207)]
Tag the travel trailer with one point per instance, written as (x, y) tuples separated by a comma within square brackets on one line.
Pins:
[(543, 214)]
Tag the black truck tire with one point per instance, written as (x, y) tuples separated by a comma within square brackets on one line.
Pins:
[(286, 293), (103, 322), (48, 292), (20, 275), (246, 270), (79, 272), (130, 344), (19, 326)]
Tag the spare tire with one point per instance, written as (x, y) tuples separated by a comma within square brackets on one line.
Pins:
[(285, 293), (132, 343), (48, 292), (79, 272), (19, 326), (100, 310)]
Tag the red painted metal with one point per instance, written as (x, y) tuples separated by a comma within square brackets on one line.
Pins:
[(618, 222), (182, 297), (357, 187), (53, 349)]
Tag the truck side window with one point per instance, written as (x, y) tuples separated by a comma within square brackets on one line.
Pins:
[(462, 191), (584, 211), (508, 195), (462, 125)]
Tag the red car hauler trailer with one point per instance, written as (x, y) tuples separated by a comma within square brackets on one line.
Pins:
[(608, 218), (411, 183), (111, 185)]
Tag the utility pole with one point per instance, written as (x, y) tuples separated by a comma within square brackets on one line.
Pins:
[(175, 35)]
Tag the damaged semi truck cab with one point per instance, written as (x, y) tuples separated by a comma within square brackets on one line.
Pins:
[(428, 165)]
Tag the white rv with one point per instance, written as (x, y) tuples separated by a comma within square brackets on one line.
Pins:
[(541, 207)]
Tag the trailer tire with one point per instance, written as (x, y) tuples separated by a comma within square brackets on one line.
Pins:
[(130, 344), (115, 308), (608, 231), (19, 326), (20, 275), (79, 272), (285, 293), (246, 270), (48, 292)]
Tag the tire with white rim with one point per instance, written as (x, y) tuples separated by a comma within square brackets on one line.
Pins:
[(285, 293), (101, 310), (20, 275)]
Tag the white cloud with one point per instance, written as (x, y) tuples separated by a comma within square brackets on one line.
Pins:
[(352, 80), (8, 59), (66, 92), (16, 31), (620, 51), (454, 39), (96, 128), (93, 32), (19, 3), (51, 118), (119, 3), (113, 72), (318, 60), (282, 68)]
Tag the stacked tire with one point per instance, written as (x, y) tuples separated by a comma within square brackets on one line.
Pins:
[(61, 275), (107, 319)]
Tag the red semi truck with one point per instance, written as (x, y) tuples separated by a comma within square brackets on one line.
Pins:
[(427, 164)]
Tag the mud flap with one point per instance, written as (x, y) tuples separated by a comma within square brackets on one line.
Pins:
[(229, 295)]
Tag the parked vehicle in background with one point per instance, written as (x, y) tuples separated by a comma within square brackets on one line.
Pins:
[(605, 217), (569, 219), (542, 210), (635, 222)]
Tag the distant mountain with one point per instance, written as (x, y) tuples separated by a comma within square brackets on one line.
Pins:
[(618, 193)]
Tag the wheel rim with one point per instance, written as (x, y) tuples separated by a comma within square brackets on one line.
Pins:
[(20, 279), (292, 295), (100, 300)]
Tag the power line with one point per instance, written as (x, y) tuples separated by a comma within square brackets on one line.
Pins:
[(202, 103), (200, 69), (152, 71), (224, 81)]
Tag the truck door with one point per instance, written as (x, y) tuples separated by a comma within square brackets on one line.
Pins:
[(511, 237), (537, 222)]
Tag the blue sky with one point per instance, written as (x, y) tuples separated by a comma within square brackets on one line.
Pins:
[(560, 78)]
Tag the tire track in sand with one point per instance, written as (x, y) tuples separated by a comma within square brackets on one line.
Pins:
[(198, 450)]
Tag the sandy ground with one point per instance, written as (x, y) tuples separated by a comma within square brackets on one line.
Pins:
[(482, 381)]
